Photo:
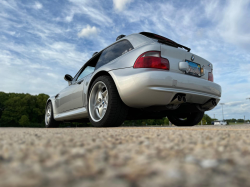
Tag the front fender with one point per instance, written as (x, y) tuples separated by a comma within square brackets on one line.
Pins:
[(53, 101)]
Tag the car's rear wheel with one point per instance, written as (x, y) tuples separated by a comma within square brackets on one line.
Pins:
[(50, 122), (189, 119), (105, 106)]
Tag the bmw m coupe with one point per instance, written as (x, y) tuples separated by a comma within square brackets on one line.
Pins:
[(140, 76)]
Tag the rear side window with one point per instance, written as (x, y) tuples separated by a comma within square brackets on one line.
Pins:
[(114, 52)]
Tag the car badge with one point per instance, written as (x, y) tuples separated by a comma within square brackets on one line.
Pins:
[(192, 57)]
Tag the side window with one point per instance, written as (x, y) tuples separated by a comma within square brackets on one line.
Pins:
[(89, 68), (86, 71), (114, 52), (75, 77)]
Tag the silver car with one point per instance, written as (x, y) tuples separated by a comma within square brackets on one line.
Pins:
[(140, 76)]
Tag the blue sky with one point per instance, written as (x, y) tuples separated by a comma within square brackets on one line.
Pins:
[(41, 41)]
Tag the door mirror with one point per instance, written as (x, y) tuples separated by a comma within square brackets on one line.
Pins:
[(68, 78)]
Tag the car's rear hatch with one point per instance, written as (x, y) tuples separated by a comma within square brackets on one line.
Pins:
[(176, 53)]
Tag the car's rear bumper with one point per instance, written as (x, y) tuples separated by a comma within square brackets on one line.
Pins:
[(149, 87)]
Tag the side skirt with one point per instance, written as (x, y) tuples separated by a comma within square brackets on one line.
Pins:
[(72, 114)]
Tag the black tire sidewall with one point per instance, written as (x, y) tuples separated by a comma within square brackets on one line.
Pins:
[(192, 119)]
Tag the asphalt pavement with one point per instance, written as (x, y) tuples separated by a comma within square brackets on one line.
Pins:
[(126, 156)]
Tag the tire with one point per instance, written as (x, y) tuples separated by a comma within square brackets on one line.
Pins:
[(190, 119), (105, 107), (50, 122)]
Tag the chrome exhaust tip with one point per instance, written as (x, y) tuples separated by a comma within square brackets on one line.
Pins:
[(178, 99), (209, 105)]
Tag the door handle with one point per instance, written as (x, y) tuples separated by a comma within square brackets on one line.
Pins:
[(80, 82)]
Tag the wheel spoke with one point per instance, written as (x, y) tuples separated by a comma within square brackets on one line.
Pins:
[(107, 99), (105, 106), (97, 101), (104, 109), (101, 111), (98, 105), (104, 94), (99, 95), (97, 113)]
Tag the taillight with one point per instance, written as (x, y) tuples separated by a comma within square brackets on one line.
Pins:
[(210, 77), (152, 59)]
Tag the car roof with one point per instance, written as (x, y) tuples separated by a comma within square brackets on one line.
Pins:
[(130, 38)]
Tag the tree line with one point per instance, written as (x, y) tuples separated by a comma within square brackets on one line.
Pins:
[(22, 110), (26, 110)]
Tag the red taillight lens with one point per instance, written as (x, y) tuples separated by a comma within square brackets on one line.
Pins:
[(152, 59), (210, 77)]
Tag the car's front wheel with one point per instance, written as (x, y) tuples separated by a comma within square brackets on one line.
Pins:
[(105, 107), (189, 119), (49, 117)]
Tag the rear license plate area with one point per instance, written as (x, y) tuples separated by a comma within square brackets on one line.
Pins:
[(194, 69)]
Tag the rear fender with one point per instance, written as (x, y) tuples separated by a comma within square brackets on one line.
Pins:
[(94, 77)]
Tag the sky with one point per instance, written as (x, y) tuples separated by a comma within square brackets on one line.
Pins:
[(41, 41)]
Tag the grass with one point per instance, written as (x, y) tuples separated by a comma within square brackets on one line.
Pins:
[(238, 123)]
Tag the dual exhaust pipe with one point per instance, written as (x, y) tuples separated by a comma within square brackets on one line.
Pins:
[(178, 99), (181, 98)]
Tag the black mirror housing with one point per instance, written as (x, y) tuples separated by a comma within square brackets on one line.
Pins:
[(68, 78)]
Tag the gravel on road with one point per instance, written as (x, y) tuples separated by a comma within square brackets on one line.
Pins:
[(126, 156)]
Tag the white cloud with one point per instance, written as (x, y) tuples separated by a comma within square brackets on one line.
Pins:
[(235, 103), (38, 5), (53, 75), (210, 9), (69, 18), (39, 64), (234, 26), (88, 31), (91, 8), (121, 4)]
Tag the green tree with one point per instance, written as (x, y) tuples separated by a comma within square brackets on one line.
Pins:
[(206, 120), (14, 105), (166, 121), (3, 98), (24, 121), (233, 120), (240, 120)]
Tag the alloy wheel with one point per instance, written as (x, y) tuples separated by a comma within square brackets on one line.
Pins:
[(48, 114), (98, 101)]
